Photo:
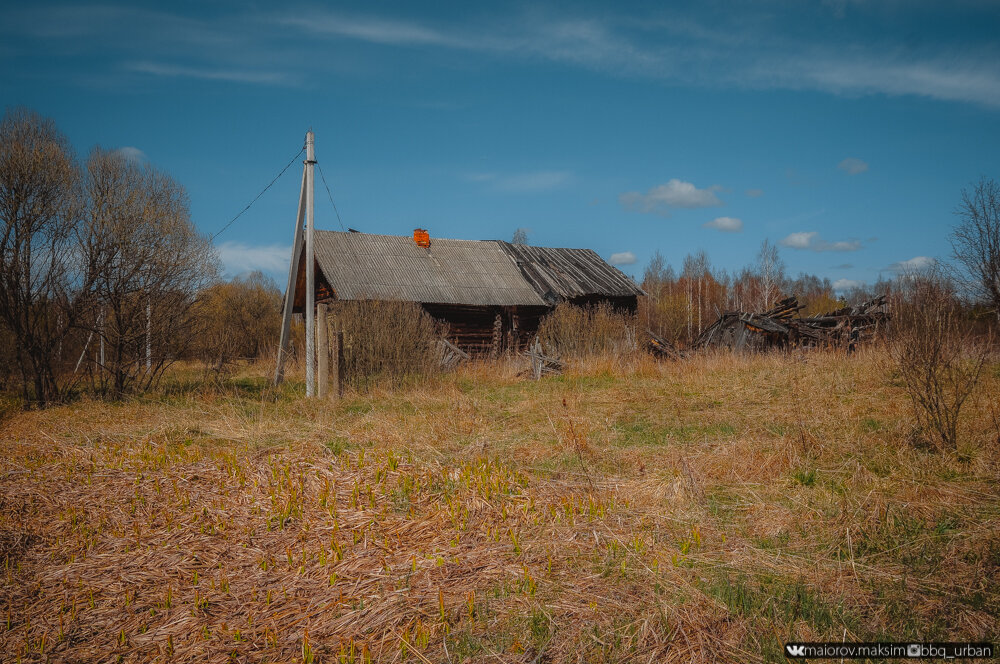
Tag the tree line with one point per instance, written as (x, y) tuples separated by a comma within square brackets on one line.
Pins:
[(104, 279), (105, 282), (680, 305)]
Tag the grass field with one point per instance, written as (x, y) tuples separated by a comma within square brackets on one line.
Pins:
[(704, 510)]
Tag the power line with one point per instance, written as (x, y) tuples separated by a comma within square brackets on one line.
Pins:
[(276, 177), (328, 193)]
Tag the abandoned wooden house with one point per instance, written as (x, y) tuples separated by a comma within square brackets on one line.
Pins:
[(488, 292)]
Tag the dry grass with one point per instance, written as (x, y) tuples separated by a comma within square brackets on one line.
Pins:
[(572, 331), (386, 342), (705, 510)]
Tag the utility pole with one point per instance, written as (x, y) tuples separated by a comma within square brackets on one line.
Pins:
[(293, 273), (310, 271)]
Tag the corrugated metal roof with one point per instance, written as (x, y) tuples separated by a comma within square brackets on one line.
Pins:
[(360, 266), (570, 273)]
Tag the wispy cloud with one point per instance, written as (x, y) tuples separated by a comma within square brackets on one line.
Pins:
[(853, 166), (755, 54), (589, 42), (742, 48), (813, 242), (673, 194), (522, 182), (622, 258), (211, 74), (239, 258), (843, 266), (754, 193), (132, 154), (725, 224), (915, 264), (372, 29)]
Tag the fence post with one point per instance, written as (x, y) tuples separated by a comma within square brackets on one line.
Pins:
[(322, 352), (337, 352)]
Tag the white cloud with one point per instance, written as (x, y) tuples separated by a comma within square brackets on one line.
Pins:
[(853, 166), (799, 240), (689, 51), (132, 154), (523, 182), (735, 49), (841, 285), (673, 194), (212, 73), (622, 258), (754, 193), (375, 30), (914, 264), (813, 242), (586, 42), (239, 258), (725, 224)]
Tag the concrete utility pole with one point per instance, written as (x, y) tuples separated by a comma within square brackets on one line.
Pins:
[(310, 272), (293, 274)]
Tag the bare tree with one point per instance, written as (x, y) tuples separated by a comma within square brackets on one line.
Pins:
[(520, 236), (44, 283), (938, 357), (152, 263), (975, 240), (771, 273), (238, 319)]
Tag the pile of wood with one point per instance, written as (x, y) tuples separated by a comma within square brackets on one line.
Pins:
[(782, 327), (542, 363), (450, 355), (660, 347)]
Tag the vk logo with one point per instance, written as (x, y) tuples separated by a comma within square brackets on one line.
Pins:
[(795, 650)]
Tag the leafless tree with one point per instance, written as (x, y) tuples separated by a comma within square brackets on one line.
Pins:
[(44, 283), (938, 357), (520, 236), (771, 274), (975, 240), (238, 319), (152, 263)]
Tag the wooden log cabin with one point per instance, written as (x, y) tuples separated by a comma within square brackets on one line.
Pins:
[(488, 292)]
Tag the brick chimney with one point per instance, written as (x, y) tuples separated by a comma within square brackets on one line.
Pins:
[(421, 237)]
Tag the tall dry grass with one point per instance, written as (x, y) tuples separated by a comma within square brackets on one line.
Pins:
[(386, 342), (701, 510), (572, 331)]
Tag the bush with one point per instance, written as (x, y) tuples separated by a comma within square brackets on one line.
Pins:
[(936, 353), (239, 319), (571, 331), (385, 340)]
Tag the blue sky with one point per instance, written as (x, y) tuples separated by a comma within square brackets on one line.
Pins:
[(843, 131)]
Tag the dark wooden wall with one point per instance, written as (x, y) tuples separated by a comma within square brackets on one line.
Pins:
[(481, 330)]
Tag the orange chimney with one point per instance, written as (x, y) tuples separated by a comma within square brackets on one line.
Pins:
[(422, 238)]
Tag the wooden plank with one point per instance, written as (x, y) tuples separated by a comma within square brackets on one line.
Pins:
[(322, 351)]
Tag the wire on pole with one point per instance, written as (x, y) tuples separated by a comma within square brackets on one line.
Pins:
[(328, 193), (276, 177)]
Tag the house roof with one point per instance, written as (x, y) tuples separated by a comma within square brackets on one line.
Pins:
[(363, 266), (570, 273)]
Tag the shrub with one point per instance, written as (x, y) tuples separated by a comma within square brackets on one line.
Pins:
[(572, 331), (937, 355), (238, 319), (385, 340)]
